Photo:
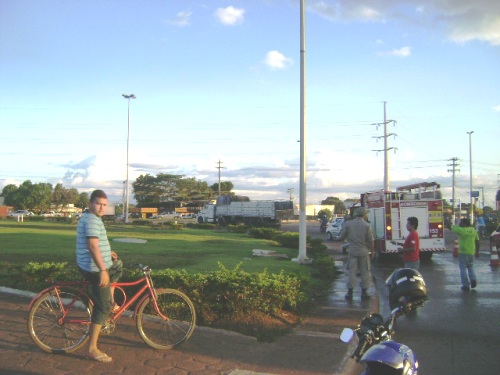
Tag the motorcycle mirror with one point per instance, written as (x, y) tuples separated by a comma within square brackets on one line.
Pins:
[(346, 335)]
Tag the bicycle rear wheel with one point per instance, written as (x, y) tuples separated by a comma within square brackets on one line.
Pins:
[(174, 327), (53, 332)]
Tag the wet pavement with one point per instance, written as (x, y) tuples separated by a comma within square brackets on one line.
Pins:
[(313, 348)]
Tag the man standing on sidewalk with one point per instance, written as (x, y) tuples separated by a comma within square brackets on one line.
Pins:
[(360, 237)]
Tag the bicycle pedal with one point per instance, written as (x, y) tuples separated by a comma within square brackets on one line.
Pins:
[(108, 327)]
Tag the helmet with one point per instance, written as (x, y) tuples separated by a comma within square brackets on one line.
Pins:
[(406, 285), (390, 358)]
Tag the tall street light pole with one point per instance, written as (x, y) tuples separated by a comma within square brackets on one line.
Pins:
[(128, 97), (302, 257), (470, 185)]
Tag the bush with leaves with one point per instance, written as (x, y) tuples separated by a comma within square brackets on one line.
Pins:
[(35, 272), (263, 233)]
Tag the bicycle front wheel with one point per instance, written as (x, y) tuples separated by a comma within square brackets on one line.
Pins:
[(171, 325), (60, 323)]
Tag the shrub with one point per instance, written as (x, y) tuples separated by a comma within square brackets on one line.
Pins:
[(175, 225), (325, 267), (36, 272), (142, 222), (219, 295), (237, 228), (263, 233), (288, 239)]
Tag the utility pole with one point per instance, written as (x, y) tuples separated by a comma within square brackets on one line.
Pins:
[(470, 171), (454, 169), (219, 168), (386, 147)]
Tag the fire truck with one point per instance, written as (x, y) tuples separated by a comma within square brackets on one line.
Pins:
[(388, 212)]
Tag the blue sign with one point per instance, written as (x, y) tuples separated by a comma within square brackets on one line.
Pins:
[(474, 194)]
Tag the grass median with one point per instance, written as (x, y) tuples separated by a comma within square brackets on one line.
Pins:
[(205, 254)]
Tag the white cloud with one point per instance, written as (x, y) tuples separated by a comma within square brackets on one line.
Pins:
[(181, 19), (276, 60), (230, 15), (337, 10), (400, 52), (464, 20), (484, 30), (496, 108)]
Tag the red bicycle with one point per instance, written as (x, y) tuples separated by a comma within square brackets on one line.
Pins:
[(59, 316)]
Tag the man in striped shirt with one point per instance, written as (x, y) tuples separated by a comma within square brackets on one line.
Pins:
[(99, 265)]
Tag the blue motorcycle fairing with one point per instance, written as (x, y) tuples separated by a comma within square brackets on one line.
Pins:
[(392, 354)]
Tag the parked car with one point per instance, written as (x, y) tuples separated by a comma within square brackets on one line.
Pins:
[(20, 213), (162, 215), (50, 214), (333, 228)]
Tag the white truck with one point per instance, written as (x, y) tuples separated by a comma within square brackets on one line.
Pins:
[(225, 211), (389, 211)]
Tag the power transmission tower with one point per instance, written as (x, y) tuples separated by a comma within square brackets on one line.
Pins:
[(454, 169), (386, 146)]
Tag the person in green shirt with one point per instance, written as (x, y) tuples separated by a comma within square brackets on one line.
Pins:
[(468, 247)]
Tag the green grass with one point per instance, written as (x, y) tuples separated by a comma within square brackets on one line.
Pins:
[(195, 250), (225, 301)]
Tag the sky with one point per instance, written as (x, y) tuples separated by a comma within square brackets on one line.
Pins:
[(217, 84)]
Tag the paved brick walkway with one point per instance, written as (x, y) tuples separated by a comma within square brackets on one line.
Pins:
[(312, 349)]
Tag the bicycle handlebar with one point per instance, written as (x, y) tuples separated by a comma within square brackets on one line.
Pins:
[(142, 267)]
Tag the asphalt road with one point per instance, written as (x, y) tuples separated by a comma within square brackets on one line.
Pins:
[(455, 332)]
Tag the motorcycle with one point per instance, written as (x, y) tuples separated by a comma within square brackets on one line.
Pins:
[(322, 225), (376, 349)]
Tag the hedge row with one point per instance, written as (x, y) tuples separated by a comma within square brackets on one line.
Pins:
[(217, 295)]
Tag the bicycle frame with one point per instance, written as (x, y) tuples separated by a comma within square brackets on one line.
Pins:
[(148, 286), (80, 288)]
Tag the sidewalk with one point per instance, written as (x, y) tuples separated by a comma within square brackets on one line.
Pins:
[(313, 348)]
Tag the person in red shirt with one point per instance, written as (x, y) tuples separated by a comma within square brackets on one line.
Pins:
[(411, 246)]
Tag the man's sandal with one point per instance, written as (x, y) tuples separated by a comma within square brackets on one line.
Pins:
[(101, 358)]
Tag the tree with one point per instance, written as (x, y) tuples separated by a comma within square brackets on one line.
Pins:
[(339, 205), (225, 188), (325, 212), (28, 196), (41, 194), (9, 194), (62, 196), (58, 195), (82, 201), (157, 191)]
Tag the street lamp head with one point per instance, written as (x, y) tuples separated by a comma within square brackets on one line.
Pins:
[(131, 96)]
